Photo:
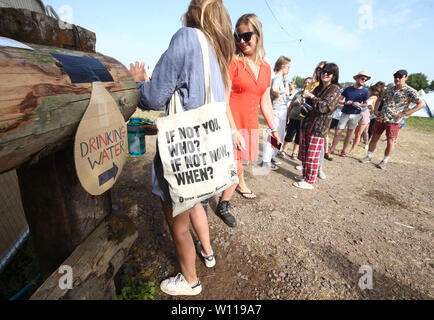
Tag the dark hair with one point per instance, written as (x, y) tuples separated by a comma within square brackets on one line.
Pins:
[(334, 69), (378, 88)]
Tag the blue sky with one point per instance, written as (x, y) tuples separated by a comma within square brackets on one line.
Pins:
[(380, 36)]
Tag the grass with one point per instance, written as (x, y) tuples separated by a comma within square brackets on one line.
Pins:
[(22, 269), (421, 124), (136, 290)]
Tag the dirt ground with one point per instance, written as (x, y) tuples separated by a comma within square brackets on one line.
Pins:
[(303, 244)]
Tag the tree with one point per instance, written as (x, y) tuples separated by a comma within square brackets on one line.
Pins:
[(431, 86), (417, 81)]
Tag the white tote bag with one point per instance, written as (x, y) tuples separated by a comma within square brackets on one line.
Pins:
[(196, 147)]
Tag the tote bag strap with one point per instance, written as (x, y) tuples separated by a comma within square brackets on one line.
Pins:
[(175, 105), (206, 67)]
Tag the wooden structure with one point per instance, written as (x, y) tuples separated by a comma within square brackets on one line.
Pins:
[(13, 224), (32, 5), (94, 264), (40, 110)]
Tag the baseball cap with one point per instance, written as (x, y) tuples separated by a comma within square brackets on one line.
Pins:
[(401, 72)]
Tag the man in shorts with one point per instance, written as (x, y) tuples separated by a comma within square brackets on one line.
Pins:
[(355, 99), (396, 102)]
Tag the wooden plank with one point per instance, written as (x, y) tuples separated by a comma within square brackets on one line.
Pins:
[(52, 128), (26, 26), (94, 263), (40, 106), (60, 213)]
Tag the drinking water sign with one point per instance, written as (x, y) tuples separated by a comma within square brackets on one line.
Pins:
[(101, 143)]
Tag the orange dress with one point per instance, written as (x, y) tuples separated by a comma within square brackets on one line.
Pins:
[(245, 100)]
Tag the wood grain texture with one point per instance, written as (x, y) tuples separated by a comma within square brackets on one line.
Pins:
[(40, 107), (28, 26), (94, 263)]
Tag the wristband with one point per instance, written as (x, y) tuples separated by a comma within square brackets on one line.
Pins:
[(234, 131), (273, 128)]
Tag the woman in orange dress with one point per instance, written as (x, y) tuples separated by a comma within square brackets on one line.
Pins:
[(251, 80)]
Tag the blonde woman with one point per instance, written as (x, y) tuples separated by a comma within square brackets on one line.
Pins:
[(181, 69), (316, 77), (250, 77)]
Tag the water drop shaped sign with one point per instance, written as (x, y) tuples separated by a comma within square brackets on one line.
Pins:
[(101, 143)]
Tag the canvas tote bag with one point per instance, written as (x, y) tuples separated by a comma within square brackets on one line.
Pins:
[(196, 147)]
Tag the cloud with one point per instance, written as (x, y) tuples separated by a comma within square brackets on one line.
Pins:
[(376, 14), (417, 24), (394, 16), (325, 31)]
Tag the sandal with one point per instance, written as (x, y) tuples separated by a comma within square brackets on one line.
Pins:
[(328, 156), (343, 154), (294, 156), (246, 194)]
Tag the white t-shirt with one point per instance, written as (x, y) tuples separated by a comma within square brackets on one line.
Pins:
[(284, 99), (337, 114)]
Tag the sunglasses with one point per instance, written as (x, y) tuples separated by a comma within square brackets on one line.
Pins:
[(398, 77), (326, 72), (245, 36), (363, 79)]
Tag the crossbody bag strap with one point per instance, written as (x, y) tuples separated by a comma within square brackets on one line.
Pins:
[(206, 66)]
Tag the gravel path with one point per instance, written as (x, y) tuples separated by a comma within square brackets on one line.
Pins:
[(302, 244)]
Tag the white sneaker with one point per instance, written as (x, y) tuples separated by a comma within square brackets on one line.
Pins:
[(275, 162), (299, 168), (178, 286), (322, 175), (303, 185), (299, 178), (209, 260)]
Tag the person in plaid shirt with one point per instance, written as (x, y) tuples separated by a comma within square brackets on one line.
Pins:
[(396, 102), (323, 100)]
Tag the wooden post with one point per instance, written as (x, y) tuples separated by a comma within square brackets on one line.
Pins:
[(60, 213), (94, 263)]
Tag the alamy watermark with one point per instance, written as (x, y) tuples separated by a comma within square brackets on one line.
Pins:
[(366, 282), (365, 11), (66, 281), (64, 15)]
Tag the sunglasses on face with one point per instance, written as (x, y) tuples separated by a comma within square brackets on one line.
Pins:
[(398, 77), (363, 79), (326, 72), (245, 36)]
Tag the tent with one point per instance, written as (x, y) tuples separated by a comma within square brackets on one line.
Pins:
[(427, 112)]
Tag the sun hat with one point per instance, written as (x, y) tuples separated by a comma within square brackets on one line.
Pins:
[(362, 73), (401, 72)]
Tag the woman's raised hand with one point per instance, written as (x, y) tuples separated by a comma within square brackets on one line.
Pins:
[(138, 72)]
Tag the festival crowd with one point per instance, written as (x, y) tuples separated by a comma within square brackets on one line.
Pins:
[(242, 77)]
